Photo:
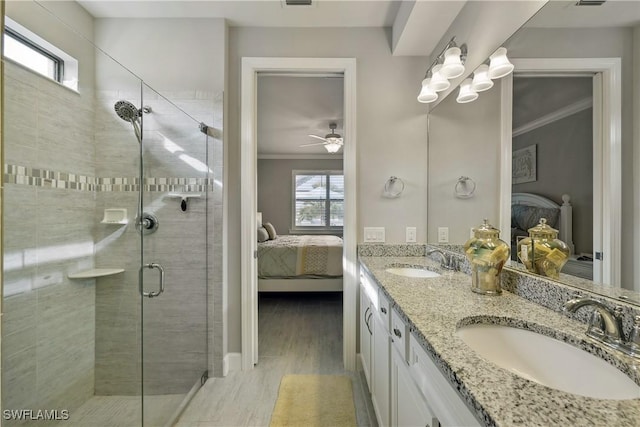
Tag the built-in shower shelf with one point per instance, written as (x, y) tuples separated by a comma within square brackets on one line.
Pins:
[(115, 216), (95, 272)]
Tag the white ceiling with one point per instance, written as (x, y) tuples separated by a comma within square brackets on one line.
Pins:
[(292, 107), (416, 30)]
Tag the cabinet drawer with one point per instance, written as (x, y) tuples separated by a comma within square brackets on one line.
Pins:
[(384, 310), (400, 335)]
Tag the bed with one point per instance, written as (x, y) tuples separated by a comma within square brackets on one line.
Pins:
[(300, 263), (526, 211), (528, 208)]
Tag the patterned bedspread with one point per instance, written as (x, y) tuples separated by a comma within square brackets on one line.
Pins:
[(300, 256)]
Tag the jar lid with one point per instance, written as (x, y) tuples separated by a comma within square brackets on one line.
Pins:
[(486, 230), (543, 230)]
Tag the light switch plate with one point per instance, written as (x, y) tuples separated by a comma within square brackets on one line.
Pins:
[(374, 234), (411, 233), (443, 234)]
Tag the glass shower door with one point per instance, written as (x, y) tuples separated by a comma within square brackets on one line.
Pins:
[(173, 270)]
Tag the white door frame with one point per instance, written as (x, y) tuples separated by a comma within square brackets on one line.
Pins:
[(248, 225), (607, 147)]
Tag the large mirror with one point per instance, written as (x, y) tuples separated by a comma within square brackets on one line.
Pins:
[(563, 145)]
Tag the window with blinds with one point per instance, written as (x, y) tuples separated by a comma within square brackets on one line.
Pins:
[(318, 200)]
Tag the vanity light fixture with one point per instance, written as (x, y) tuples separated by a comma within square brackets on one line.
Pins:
[(499, 65), (449, 64), (454, 58), (466, 93), (427, 94), (481, 80)]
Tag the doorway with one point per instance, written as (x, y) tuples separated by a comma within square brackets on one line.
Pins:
[(606, 151), (249, 295)]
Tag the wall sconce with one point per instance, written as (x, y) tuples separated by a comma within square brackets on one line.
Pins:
[(499, 65), (449, 64), (481, 80), (466, 94)]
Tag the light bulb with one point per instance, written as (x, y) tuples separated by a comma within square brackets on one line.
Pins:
[(466, 94), (427, 94), (481, 80), (452, 66), (438, 81), (499, 66)]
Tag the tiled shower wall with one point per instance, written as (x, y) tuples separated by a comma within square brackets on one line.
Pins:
[(174, 325), (48, 324)]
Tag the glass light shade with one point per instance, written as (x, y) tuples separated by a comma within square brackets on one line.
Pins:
[(466, 94), (481, 80), (332, 147), (427, 94), (499, 66), (452, 66), (438, 81)]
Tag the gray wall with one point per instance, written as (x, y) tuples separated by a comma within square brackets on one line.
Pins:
[(391, 130), (48, 320), (275, 187), (564, 147), (464, 141)]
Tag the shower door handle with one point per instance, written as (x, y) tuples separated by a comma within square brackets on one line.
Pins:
[(160, 284)]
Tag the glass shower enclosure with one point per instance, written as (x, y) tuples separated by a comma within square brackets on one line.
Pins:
[(105, 243)]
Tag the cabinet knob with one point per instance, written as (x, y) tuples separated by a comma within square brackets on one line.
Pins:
[(397, 332), (383, 310)]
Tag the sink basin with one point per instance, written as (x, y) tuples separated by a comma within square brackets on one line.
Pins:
[(548, 361), (412, 272)]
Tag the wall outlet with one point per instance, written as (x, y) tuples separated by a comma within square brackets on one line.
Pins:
[(411, 234), (374, 234), (443, 234)]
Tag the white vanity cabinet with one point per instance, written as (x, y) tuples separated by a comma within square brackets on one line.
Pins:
[(409, 407), (381, 363), (366, 327)]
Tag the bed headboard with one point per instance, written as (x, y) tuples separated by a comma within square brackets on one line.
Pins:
[(565, 223)]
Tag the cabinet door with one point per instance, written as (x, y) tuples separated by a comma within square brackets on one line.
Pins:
[(365, 334), (409, 409), (381, 370)]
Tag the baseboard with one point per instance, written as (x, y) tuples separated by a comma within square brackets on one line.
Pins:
[(232, 362)]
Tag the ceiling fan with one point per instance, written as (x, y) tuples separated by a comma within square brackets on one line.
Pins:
[(331, 141)]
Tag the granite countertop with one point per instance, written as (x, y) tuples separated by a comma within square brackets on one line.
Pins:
[(435, 307)]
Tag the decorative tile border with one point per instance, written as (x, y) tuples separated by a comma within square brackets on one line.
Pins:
[(24, 175)]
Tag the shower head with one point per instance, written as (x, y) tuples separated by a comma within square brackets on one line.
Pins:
[(127, 111)]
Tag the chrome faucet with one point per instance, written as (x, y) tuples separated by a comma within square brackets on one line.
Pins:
[(605, 325), (447, 262)]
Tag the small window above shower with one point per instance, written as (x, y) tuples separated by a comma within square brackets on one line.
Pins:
[(31, 51)]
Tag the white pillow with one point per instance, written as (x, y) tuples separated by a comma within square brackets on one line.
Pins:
[(271, 230), (263, 234)]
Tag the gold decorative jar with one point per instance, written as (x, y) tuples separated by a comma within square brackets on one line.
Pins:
[(542, 252), (487, 255)]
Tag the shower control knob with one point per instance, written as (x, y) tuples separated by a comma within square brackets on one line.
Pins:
[(147, 223)]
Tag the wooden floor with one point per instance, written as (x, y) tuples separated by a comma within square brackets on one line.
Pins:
[(298, 334)]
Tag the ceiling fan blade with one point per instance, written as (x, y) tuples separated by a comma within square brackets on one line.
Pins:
[(309, 145), (318, 137)]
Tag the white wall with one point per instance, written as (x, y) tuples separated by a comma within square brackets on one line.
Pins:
[(391, 129), (464, 140)]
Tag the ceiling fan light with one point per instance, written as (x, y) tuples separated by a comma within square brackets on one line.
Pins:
[(499, 66), (452, 66), (332, 147), (466, 94), (481, 80), (438, 81), (427, 94)]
